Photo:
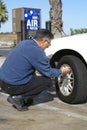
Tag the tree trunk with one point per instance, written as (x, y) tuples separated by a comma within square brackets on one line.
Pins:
[(56, 17)]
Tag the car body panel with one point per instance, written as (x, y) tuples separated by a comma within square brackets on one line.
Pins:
[(75, 43)]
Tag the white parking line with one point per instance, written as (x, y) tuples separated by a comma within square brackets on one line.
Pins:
[(82, 106), (62, 111), (78, 106)]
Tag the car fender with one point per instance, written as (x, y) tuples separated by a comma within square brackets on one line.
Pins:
[(76, 43)]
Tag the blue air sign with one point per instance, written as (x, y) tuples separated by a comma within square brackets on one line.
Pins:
[(32, 16)]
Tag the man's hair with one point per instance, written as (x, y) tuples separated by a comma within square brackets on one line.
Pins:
[(43, 34)]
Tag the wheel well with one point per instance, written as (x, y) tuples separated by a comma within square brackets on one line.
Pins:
[(56, 57)]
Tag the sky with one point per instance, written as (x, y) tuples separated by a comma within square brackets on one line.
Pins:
[(74, 13)]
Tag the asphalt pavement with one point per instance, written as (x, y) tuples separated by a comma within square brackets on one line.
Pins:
[(2, 59), (4, 51)]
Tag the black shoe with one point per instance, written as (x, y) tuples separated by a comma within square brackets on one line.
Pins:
[(28, 102), (23, 108), (44, 96), (17, 103)]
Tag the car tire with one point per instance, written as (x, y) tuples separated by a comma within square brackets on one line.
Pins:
[(72, 87)]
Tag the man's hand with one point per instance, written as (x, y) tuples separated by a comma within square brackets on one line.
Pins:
[(65, 70)]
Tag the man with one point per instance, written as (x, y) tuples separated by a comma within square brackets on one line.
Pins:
[(17, 74)]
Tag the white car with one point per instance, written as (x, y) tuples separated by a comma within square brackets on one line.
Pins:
[(70, 51)]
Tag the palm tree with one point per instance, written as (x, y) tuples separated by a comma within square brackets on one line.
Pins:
[(3, 13), (56, 18)]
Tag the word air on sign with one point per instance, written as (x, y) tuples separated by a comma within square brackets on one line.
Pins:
[(32, 24)]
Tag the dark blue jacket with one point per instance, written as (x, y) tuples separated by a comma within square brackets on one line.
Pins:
[(22, 62)]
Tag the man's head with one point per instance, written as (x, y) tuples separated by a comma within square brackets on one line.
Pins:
[(43, 37)]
